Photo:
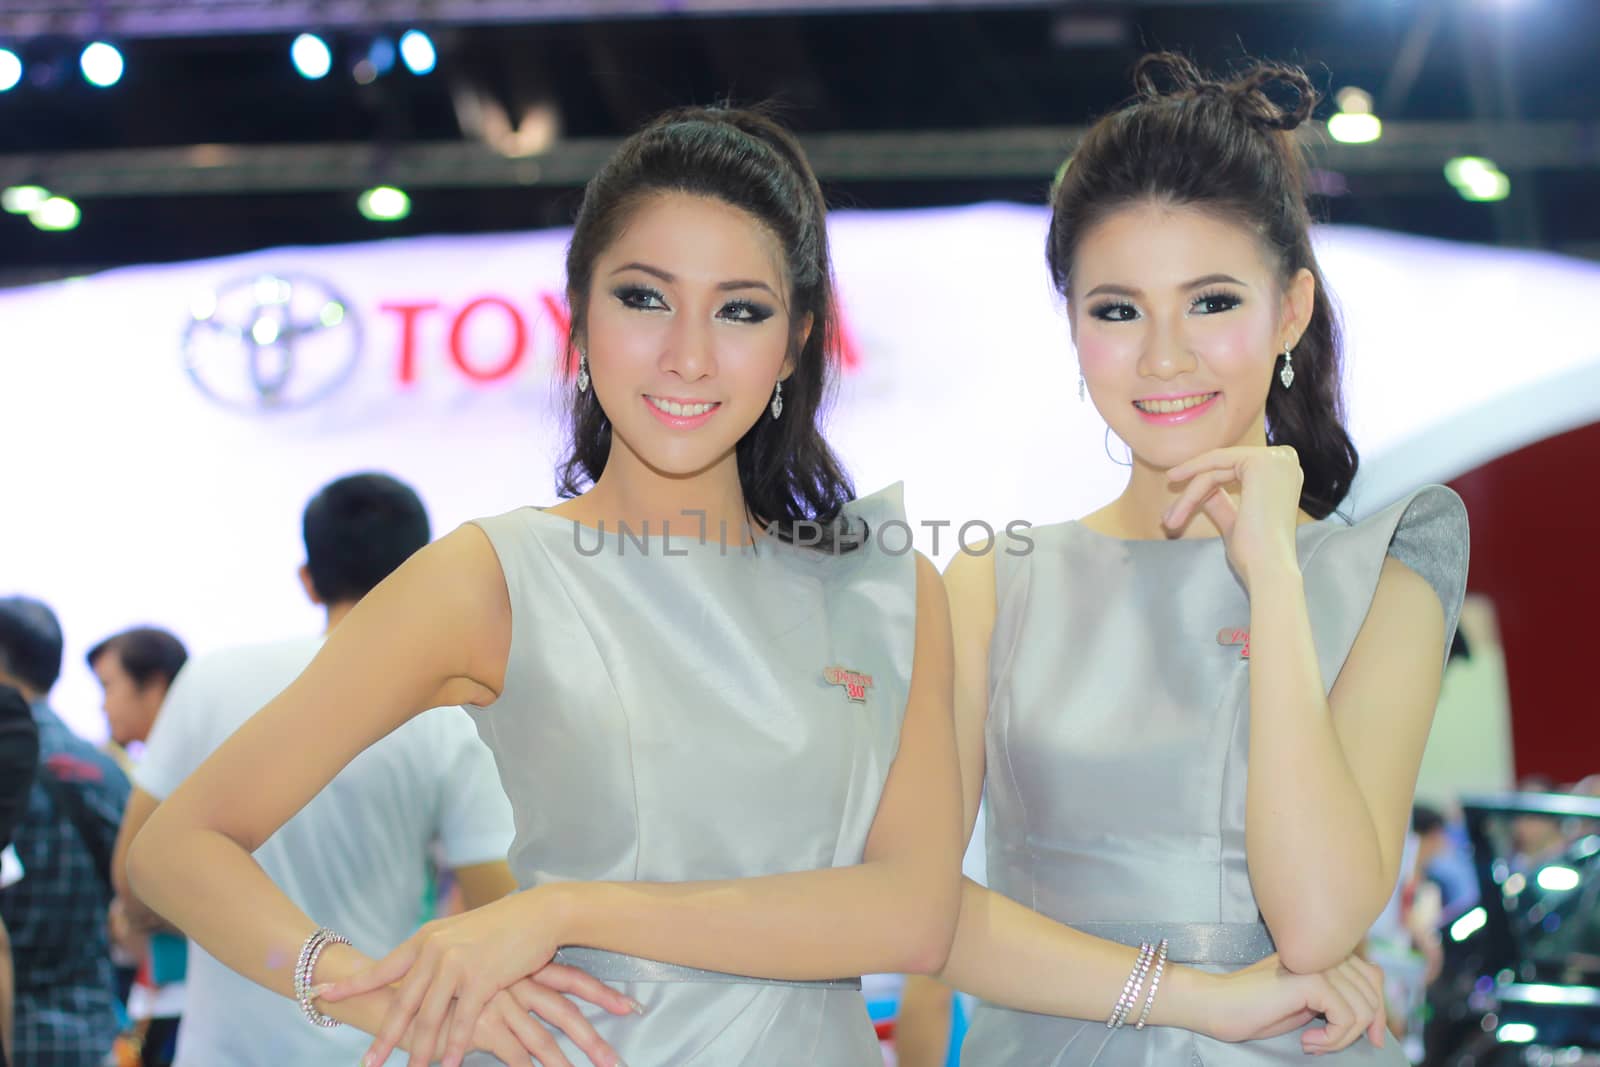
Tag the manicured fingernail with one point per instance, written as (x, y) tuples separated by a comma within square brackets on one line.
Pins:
[(638, 1009), (369, 1060), (321, 990)]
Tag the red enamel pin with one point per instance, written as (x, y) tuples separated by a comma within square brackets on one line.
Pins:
[(855, 683), (1228, 636)]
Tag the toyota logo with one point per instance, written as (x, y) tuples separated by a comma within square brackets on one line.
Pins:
[(271, 342)]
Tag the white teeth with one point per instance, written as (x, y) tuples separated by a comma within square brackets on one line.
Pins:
[(677, 410), (1169, 407)]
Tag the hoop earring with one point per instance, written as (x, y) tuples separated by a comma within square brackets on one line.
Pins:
[(1286, 375), (1119, 462), (583, 371), (777, 400)]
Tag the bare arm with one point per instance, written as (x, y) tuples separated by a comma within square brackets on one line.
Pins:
[(922, 1025), (484, 883), (140, 807), (1011, 955), (436, 632), (1331, 777), (894, 911)]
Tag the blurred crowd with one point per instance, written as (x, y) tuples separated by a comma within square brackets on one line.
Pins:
[(89, 977)]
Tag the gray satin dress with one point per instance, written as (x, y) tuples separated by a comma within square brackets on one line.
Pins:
[(1117, 744), (666, 718)]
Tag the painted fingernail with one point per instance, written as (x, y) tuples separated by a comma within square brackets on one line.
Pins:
[(321, 990), (638, 1009), (369, 1060)]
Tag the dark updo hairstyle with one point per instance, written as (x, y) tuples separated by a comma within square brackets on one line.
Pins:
[(742, 158), (1225, 148)]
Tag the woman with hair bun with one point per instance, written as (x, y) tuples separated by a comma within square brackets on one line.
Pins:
[(1201, 708)]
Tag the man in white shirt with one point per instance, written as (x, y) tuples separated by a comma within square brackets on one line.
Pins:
[(357, 857)]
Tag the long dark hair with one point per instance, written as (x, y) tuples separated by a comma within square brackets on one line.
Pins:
[(1224, 147), (788, 473)]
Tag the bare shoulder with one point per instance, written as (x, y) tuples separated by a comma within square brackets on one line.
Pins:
[(931, 592), (969, 579), (454, 589)]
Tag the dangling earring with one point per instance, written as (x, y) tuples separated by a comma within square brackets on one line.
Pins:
[(583, 371), (1286, 375), (1083, 388), (777, 400)]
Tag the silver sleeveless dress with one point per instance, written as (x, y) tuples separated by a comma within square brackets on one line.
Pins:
[(666, 718), (1118, 742)]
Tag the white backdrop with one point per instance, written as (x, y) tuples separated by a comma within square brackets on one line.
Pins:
[(128, 494)]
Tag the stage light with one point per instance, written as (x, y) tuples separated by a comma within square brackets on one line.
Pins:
[(381, 55), (1355, 100), (56, 215), (384, 203), (311, 56), (10, 69), (1354, 123), (1516, 1033), (1556, 879), (23, 199), (101, 64), (416, 49), (1348, 128), (1468, 924), (1477, 179)]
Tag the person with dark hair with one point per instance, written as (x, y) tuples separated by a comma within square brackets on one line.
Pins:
[(19, 759), (66, 1004), (1209, 698), (135, 668), (718, 699), (359, 854)]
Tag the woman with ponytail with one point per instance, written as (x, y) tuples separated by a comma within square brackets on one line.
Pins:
[(730, 755), (1201, 708)]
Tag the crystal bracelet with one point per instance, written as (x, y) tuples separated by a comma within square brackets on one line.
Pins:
[(1131, 988), (1155, 982), (307, 965)]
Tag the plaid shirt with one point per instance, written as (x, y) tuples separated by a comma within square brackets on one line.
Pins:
[(66, 1013)]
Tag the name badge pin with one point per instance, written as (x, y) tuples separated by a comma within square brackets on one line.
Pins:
[(855, 683)]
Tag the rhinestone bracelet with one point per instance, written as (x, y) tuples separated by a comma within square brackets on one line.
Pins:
[(1131, 988), (1155, 982), (309, 953)]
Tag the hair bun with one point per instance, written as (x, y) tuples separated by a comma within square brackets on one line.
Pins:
[(1258, 95), (1164, 74)]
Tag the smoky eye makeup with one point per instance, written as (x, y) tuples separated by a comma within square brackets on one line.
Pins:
[(749, 311), (639, 297), (1114, 311)]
